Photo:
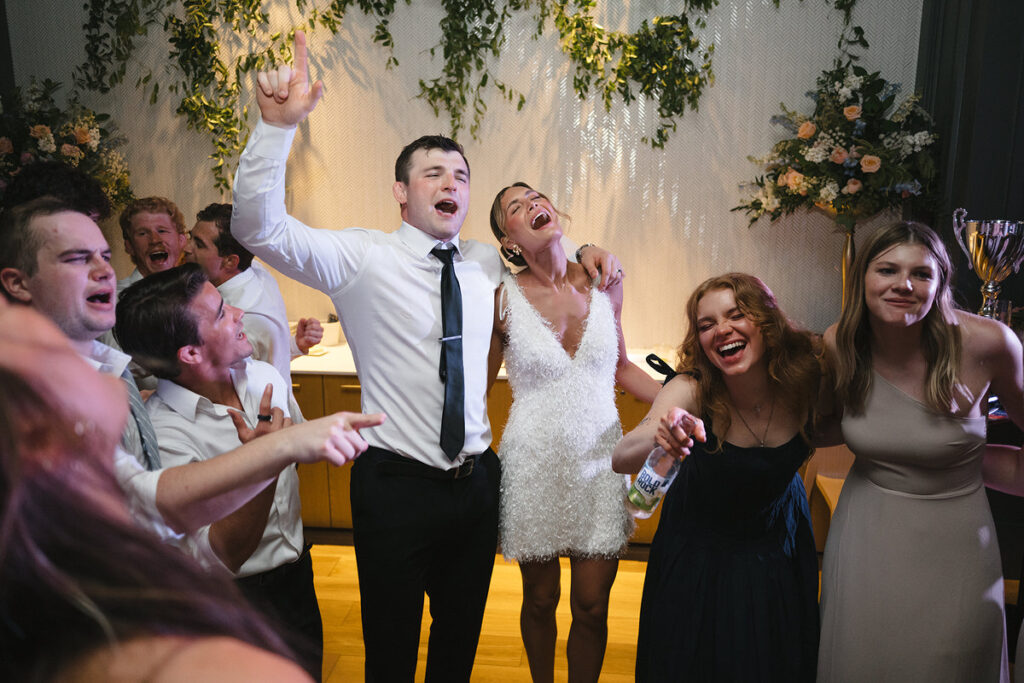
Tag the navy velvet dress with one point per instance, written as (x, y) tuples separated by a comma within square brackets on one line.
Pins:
[(732, 580)]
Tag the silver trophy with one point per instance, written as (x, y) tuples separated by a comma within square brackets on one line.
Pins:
[(994, 249)]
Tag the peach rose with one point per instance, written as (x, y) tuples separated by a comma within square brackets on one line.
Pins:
[(838, 155), (870, 163), (39, 132), (852, 113), (81, 134), (806, 131), (71, 152), (793, 179), (853, 186), (6, 146), (783, 180)]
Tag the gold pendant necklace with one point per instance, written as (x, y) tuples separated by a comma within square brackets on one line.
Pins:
[(771, 414)]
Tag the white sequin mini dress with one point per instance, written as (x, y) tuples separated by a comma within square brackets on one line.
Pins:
[(559, 495)]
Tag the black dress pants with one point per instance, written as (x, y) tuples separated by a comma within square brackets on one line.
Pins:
[(286, 596), (421, 530)]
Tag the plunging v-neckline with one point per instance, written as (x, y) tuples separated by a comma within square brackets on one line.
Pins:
[(549, 326)]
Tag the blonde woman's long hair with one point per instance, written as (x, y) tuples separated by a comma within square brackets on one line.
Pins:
[(941, 340), (793, 367)]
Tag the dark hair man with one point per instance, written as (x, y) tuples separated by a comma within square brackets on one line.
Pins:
[(177, 325), (249, 286)]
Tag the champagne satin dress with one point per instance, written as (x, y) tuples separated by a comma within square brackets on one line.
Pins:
[(912, 586)]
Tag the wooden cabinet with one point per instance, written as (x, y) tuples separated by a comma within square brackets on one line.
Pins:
[(324, 488), (313, 479), (499, 400), (341, 392)]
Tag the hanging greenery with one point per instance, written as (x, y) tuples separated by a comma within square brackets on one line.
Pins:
[(664, 60)]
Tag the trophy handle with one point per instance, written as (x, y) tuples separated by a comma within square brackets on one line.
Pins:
[(958, 231), (1019, 258)]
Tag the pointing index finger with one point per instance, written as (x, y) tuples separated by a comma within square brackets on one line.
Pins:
[(300, 63), (360, 421)]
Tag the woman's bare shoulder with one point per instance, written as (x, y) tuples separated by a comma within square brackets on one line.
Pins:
[(829, 338), (501, 304), (177, 658), (578, 276), (206, 659), (682, 391), (984, 337)]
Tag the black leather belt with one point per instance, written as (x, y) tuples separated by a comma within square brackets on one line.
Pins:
[(399, 465)]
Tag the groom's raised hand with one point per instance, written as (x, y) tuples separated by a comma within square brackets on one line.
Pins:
[(284, 94)]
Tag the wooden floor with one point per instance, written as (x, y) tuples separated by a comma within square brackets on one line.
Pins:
[(500, 656)]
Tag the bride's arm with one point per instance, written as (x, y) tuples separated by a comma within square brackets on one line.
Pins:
[(497, 352), (627, 374)]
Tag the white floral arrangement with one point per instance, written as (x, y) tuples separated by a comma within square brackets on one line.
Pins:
[(34, 128), (859, 152)]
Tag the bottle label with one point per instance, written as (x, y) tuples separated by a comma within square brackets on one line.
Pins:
[(646, 491)]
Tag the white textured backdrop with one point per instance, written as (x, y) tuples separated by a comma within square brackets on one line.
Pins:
[(664, 212)]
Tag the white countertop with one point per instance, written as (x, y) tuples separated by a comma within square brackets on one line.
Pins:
[(325, 360), (336, 359)]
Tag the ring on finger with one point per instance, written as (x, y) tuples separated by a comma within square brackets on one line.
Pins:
[(264, 418)]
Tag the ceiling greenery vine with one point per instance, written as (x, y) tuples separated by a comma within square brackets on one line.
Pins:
[(664, 60)]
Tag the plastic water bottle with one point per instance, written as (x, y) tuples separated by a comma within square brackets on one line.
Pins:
[(652, 483)]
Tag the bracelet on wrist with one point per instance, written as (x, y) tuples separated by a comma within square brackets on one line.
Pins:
[(579, 251)]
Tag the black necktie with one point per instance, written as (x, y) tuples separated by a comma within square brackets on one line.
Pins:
[(453, 420)]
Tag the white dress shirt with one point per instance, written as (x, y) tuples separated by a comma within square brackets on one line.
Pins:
[(386, 289), (111, 361), (125, 283), (191, 428), (139, 484), (140, 487)]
